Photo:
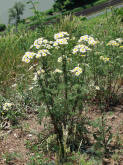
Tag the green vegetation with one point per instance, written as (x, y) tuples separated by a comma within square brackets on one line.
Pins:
[(64, 5), (70, 67), (2, 27), (53, 14)]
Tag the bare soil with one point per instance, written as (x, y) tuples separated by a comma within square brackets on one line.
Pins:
[(12, 141)]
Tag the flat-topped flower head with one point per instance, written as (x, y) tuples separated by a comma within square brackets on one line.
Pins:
[(76, 71), (75, 50), (61, 35), (27, 56), (113, 43), (83, 38), (80, 49), (42, 53), (62, 41), (41, 42), (7, 106), (90, 40)]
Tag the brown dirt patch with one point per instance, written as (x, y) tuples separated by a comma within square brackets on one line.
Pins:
[(12, 142)]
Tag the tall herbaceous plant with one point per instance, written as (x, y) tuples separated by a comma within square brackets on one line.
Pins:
[(68, 72)]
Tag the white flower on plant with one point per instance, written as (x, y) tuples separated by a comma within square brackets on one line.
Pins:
[(37, 46), (112, 43), (55, 44), (40, 41), (77, 71), (57, 71), (119, 40), (97, 87), (45, 41), (62, 41), (75, 50), (40, 71), (25, 59), (90, 40), (48, 46), (27, 56), (35, 42), (61, 35), (38, 55), (105, 59), (73, 38), (31, 88), (80, 49), (7, 106), (35, 77), (60, 59), (14, 85), (51, 42), (41, 53)]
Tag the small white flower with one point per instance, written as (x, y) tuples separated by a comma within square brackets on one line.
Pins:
[(31, 88), (35, 77), (60, 59), (14, 85), (77, 71), (119, 40), (57, 71), (97, 87), (7, 106)]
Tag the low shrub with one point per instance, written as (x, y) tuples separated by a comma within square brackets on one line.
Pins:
[(2, 27)]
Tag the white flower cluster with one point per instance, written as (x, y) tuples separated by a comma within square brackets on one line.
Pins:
[(7, 106), (90, 40), (77, 71), (112, 43), (41, 42), (27, 56), (30, 55), (60, 39), (42, 53), (61, 35), (116, 42), (80, 49)]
